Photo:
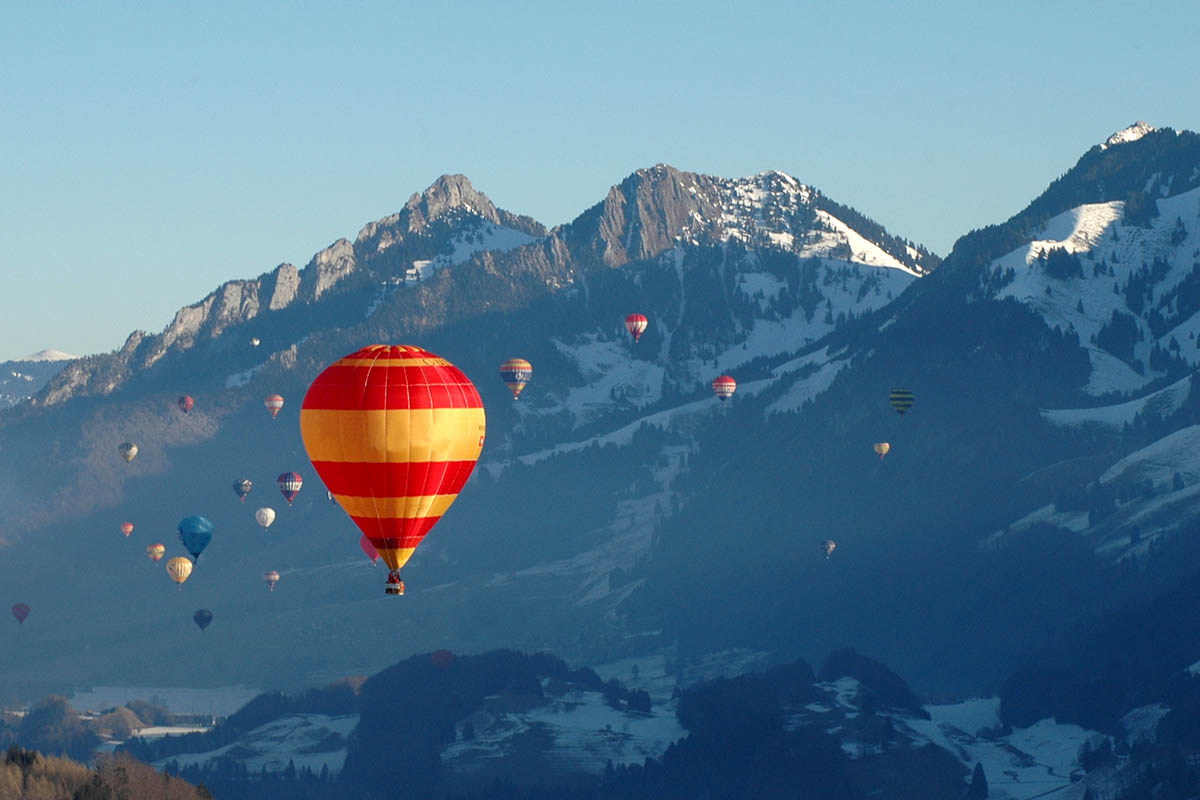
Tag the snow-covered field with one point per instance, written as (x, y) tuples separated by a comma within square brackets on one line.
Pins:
[(306, 740), (585, 733)]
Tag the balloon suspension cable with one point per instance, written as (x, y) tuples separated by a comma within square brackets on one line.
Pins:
[(394, 584)]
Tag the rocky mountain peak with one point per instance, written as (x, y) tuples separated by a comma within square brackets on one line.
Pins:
[(448, 193), (1129, 134)]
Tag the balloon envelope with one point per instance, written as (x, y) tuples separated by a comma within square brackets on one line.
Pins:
[(368, 548), (274, 402), (829, 545), (128, 451), (271, 578), (882, 448), (179, 568), (155, 551), (264, 517), (516, 372), (636, 325), (289, 485), (20, 611), (195, 533), (126, 528), (185, 403), (724, 387), (202, 618), (901, 400), (394, 432)]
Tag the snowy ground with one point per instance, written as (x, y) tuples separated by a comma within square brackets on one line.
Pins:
[(307, 740), (1159, 404), (584, 733)]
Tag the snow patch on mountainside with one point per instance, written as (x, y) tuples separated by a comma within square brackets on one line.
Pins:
[(49, 354), (488, 237), (1131, 134), (584, 733), (305, 740), (1160, 404), (1178, 452), (612, 377), (1111, 255), (861, 249), (1027, 763)]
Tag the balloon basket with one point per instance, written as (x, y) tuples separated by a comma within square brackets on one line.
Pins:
[(394, 584)]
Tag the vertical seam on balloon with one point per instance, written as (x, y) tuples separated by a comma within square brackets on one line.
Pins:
[(366, 429)]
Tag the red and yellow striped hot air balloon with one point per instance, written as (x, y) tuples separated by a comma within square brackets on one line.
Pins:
[(155, 552), (394, 431), (724, 387), (126, 528)]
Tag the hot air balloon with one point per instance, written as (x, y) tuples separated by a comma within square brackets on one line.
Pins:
[(255, 342), (264, 517), (179, 568), (289, 485), (882, 448), (126, 528), (274, 402), (901, 400), (202, 618), (636, 325), (195, 533), (724, 387), (271, 578), (185, 403), (20, 611), (330, 497), (128, 451), (242, 487), (828, 545), (442, 659), (155, 552), (516, 372), (394, 432), (369, 549)]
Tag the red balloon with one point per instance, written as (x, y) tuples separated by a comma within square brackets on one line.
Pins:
[(185, 403), (724, 387), (20, 611), (369, 549), (636, 325), (127, 528)]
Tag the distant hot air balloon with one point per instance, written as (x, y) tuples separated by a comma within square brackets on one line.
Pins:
[(202, 618), (195, 532), (369, 549), (394, 432), (724, 387), (882, 448), (264, 517), (255, 342), (179, 568), (636, 325), (274, 402), (901, 400), (185, 403), (128, 451), (829, 545), (155, 552), (516, 372), (20, 611), (242, 487), (442, 659), (271, 578), (126, 528), (289, 485), (330, 497)]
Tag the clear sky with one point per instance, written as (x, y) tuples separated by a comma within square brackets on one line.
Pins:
[(149, 152)]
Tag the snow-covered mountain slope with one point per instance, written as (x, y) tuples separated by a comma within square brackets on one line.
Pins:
[(25, 377), (315, 741), (1130, 291)]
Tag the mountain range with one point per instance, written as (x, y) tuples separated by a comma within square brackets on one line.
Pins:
[(1038, 500)]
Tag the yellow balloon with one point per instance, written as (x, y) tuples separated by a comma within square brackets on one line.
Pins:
[(881, 449), (179, 568)]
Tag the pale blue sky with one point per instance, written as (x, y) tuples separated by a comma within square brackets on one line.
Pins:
[(149, 152)]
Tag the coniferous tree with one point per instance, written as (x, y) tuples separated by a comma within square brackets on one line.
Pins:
[(979, 786)]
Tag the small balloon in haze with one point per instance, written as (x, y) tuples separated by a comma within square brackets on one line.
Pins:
[(195, 532), (724, 387), (155, 551), (828, 545), (202, 618), (255, 342), (186, 403), (20, 611), (636, 325), (271, 578), (126, 528), (179, 568), (289, 485), (128, 451), (516, 373), (264, 517), (901, 400), (242, 487), (881, 449), (274, 402)]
